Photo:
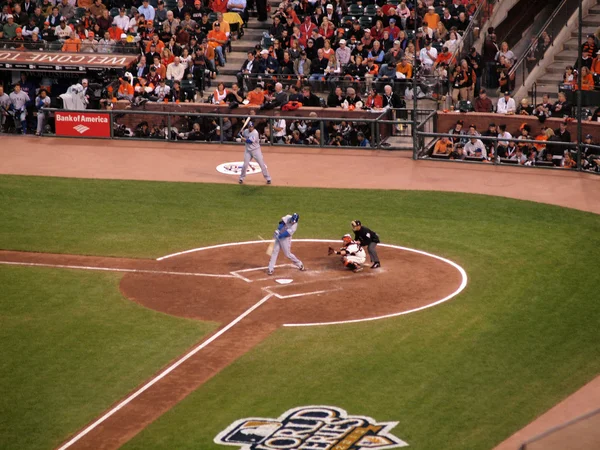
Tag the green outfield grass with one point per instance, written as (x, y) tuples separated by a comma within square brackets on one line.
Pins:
[(463, 375)]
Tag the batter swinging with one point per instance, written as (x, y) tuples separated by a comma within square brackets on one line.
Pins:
[(283, 239)]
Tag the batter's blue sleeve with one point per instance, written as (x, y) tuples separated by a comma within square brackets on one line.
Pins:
[(284, 235), (281, 225)]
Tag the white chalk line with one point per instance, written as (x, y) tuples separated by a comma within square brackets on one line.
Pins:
[(164, 373), (368, 319), (301, 294), (116, 269)]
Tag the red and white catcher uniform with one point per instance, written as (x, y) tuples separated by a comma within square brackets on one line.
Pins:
[(353, 255)]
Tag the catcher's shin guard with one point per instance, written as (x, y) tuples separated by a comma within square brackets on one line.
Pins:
[(349, 265)]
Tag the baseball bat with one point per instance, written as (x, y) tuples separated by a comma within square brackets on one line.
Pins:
[(245, 124), (270, 248)]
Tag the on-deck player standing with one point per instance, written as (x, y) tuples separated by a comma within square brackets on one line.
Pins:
[(283, 239), (253, 151), (367, 238)]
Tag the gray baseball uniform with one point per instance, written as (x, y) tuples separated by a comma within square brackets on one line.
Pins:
[(253, 151), (284, 242)]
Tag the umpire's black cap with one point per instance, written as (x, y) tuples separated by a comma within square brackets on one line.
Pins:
[(356, 223)]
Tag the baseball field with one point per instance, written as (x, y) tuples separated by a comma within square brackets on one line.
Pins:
[(77, 338)]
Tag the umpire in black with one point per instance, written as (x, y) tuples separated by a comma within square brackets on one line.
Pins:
[(367, 238)]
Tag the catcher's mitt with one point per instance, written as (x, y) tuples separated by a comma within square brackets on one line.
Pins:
[(330, 251)]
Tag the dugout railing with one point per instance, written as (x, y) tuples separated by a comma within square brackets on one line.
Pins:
[(388, 129)]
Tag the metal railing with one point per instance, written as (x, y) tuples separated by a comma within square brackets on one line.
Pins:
[(389, 129), (573, 156), (536, 48), (477, 21)]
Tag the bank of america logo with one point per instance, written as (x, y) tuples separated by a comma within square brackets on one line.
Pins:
[(81, 129)]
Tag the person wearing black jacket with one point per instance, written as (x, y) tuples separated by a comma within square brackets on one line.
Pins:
[(562, 108), (336, 98), (367, 238), (309, 99), (249, 71)]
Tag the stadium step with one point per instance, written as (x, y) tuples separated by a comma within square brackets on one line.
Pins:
[(586, 31), (567, 55)]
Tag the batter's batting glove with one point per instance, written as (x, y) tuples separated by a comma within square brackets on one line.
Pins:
[(276, 234), (248, 141)]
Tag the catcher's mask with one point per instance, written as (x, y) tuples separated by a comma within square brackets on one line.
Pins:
[(356, 225), (347, 239), (295, 217)]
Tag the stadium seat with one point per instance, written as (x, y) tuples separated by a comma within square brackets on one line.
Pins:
[(394, 2), (355, 10), (188, 85), (212, 17), (170, 4), (114, 12), (266, 42), (79, 13), (347, 21), (366, 22), (371, 10)]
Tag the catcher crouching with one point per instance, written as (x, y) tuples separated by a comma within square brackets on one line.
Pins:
[(353, 255)]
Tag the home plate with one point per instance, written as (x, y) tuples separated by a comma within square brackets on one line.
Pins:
[(284, 280)]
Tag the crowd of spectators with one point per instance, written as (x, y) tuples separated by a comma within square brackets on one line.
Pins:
[(497, 144)]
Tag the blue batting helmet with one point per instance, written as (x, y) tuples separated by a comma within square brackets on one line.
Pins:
[(295, 217)]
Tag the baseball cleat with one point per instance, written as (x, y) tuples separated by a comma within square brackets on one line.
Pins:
[(302, 268), (241, 181), (270, 272), (376, 265), (268, 181)]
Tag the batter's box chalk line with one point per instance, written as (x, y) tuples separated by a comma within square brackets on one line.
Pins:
[(301, 294), (462, 272), (238, 273)]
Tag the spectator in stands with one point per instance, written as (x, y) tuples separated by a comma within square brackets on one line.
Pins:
[(587, 79), (89, 45), (248, 71), (588, 50), (73, 44), (317, 68), (175, 70), (562, 133), (595, 69), (106, 44), (427, 56), (308, 98), (30, 28), (475, 148), (122, 20), (217, 39), (443, 146), (161, 91), (10, 27), (506, 104), (463, 84), (256, 97), (147, 10), (561, 107), (483, 102), (525, 109), (65, 9), (336, 98)]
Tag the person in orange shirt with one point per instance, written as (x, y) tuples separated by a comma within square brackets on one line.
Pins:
[(256, 97), (73, 44), (596, 64), (587, 80), (115, 32), (405, 68), (126, 90), (160, 45), (161, 69), (443, 147), (432, 18), (217, 39)]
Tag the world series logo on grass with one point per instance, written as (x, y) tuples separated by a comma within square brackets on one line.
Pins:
[(311, 428)]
